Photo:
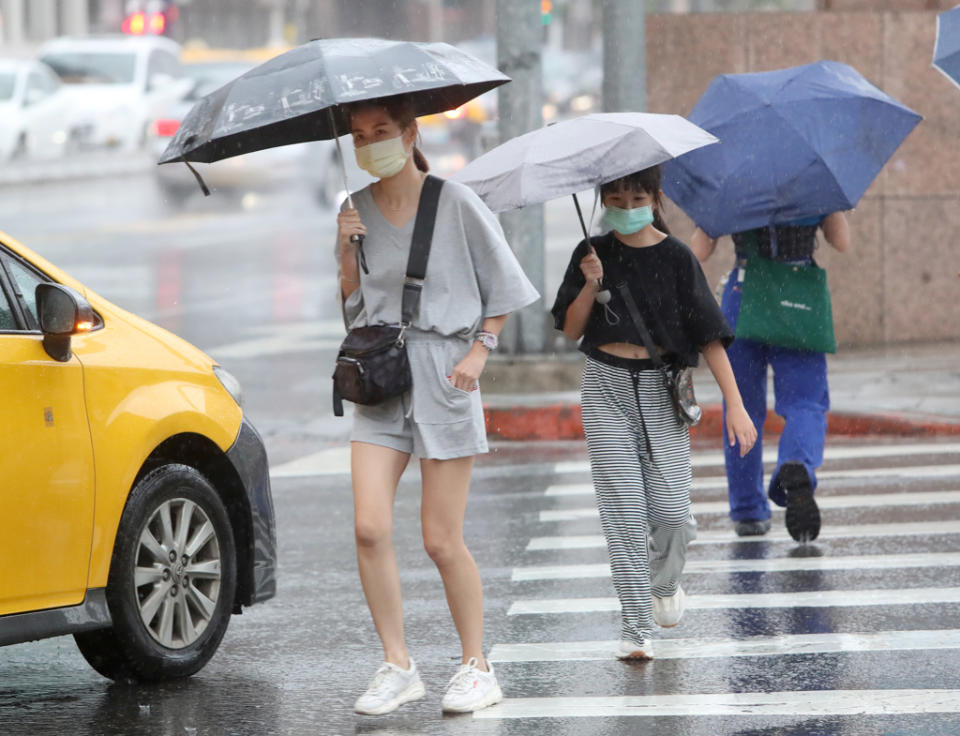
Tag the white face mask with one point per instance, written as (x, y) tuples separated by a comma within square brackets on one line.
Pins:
[(383, 159)]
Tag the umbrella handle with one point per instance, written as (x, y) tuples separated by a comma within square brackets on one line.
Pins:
[(356, 238), (603, 295)]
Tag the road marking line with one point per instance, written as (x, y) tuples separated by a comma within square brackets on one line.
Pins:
[(909, 472), (263, 341), (727, 536), (859, 452), (332, 461), (789, 703), (809, 599), (844, 501), (777, 564), (755, 646)]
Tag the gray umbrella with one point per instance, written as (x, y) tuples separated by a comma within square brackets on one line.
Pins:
[(297, 96)]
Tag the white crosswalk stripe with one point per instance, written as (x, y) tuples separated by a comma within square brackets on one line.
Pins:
[(839, 501), (757, 646), (726, 536), (781, 564), (911, 472), (807, 599), (859, 452), (786, 705), (790, 703)]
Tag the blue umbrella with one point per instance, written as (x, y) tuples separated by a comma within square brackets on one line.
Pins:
[(946, 50), (794, 143)]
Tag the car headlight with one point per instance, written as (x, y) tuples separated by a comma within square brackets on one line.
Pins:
[(230, 383)]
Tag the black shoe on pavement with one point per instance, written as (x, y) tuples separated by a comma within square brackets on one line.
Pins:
[(752, 527), (803, 515)]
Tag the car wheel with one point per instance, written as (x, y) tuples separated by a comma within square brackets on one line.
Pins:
[(176, 197), (19, 151), (172, 581)]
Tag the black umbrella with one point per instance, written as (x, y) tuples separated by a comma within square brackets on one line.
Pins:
[(299, 96)]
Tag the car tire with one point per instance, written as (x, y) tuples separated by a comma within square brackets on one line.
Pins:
[(176, 198), (20, 151), (169, 615)]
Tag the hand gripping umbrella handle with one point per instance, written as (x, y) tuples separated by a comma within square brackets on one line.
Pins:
[(603, 295)]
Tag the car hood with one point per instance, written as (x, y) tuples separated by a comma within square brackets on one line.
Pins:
[(176, 345), (99, 96)]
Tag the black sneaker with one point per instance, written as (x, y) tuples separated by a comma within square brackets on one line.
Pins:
[(803, 516), (752, 527)]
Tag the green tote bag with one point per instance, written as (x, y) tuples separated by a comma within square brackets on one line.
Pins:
[(786, 305)]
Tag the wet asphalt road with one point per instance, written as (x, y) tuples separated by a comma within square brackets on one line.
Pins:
[(254, 288)]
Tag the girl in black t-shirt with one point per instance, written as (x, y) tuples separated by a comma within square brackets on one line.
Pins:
[(639, 449)]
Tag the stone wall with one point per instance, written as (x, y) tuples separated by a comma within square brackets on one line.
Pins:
[(900, 282)]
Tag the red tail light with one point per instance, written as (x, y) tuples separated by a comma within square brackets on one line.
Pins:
[(158, 24), (165, 128), (135, 24)]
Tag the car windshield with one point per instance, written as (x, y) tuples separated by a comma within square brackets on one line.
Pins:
[(93, 68), (8, 83), (210, 77)]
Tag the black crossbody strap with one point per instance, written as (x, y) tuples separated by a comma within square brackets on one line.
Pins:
[(639, 324), (420, 247)]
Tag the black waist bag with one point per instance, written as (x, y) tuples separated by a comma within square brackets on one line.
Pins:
[(372, 365)]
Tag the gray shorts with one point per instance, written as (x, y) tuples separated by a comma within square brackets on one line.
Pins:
[(435, 419)]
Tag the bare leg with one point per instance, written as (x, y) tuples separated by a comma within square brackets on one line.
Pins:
[(376, 472), (445, 487)]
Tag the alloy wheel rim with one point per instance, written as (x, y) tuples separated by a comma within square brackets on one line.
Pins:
[(177, 573)]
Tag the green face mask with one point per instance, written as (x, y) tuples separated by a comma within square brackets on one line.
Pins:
[(628, 221)]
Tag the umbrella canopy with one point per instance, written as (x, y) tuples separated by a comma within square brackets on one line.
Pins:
[(797, 143), (946, 49), (577, 154), (296, 97)]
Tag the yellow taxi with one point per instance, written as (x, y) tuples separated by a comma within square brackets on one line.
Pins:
[(135, 506)]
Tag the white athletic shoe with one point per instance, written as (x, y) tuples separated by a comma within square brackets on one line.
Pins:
[(471, 689), (629, 650), (667, 612), (390, 688)]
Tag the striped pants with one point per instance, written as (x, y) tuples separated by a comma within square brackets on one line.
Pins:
[(640, 462)]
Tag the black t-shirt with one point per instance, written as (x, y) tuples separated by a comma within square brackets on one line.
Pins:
[(670, 290)]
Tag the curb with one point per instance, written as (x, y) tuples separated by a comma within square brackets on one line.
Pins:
[(562, 422)]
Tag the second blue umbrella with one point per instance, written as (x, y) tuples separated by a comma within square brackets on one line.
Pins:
[(795, 143)]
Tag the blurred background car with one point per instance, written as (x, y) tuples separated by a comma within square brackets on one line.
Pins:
[(239, 175), (34, 112), (117, 85)]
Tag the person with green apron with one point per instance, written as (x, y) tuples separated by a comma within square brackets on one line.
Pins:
[(784, 335)]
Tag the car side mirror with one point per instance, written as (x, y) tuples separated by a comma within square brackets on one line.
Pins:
[(159, 81), (63, 312), (33, 96)]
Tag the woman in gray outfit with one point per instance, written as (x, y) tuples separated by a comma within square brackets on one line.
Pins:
[(473, 281)]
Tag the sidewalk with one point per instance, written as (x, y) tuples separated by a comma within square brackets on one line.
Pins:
[(911, 390)]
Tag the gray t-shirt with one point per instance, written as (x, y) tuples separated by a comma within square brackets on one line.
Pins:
[(472, 273)]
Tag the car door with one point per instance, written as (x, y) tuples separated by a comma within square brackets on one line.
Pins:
[(45, 114), (46, 461), (167, 82)]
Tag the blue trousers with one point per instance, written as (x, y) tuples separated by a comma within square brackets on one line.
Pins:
[(801, 397)]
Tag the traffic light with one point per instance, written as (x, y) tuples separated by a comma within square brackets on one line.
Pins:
[(546, 11), (150, 17)]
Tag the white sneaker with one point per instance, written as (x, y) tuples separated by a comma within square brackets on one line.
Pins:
[(629, 650), (667, 612), (471, 689), (390, 688)]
